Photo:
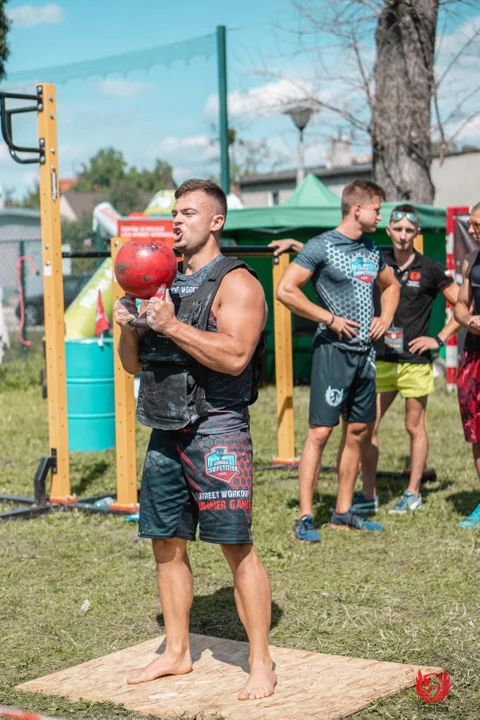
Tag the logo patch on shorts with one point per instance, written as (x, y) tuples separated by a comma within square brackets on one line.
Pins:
[(363, 269), (334, 397), (221, 464)]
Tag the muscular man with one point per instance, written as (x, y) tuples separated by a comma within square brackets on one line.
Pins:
[(196, 385), (404, 363), (344, 265), (467, 312)]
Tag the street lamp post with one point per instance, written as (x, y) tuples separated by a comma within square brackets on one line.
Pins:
[(301, 115)]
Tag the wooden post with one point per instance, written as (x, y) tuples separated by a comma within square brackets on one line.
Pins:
[(127, 495), (53, 295), (283, 370), (418, 244)]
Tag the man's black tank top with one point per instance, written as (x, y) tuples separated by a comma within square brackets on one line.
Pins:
[(472, 342), (227, 396)]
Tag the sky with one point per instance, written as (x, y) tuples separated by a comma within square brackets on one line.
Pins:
[(171, 113)]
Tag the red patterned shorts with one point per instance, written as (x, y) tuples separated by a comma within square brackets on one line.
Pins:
[(468, 384)]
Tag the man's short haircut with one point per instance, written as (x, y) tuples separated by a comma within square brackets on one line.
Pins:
[(209, 187), (360, 191), (405, 208), (475, 208)]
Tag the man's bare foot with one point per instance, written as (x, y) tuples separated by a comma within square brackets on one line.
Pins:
[(162, 665), (260, 684)]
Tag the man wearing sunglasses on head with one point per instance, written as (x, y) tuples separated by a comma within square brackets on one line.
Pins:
[(404, 362), (467, 312)]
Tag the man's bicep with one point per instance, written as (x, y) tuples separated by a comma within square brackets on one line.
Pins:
[(296, 275), (385, 278), (450, 292), (465, 293), (242, 312)]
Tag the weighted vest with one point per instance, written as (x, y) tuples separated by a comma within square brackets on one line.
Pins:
[(172, 386)]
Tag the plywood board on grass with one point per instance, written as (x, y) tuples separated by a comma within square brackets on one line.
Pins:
[(311, 686)]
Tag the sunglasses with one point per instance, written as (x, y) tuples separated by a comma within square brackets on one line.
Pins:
[(400, 214)]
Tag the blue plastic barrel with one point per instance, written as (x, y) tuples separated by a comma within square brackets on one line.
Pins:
[(90, 395)]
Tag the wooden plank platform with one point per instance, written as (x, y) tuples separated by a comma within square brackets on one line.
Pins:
[(311, 686)]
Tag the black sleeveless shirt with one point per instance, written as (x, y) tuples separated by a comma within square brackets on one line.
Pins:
[(472, 342), (227, 396)]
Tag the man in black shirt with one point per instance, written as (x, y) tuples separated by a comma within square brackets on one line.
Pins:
[(404, 363), (468, 379)]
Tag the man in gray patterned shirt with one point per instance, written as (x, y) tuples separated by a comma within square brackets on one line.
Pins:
[(343, 265)]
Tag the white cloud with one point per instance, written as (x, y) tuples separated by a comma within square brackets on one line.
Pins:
[(265, 100), (468, 132), (31, 15), (183, 146), (121, 88), (450, 43), (4, 153)]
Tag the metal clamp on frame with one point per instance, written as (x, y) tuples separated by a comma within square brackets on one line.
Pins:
[(6, 126)]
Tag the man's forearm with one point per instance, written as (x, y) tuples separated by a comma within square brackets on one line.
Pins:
[(128, 350), (462, 313), (217, 351), (299, 304), (389, 301), (449, 330)]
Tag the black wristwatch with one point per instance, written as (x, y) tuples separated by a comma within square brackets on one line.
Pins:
[(439, 340)]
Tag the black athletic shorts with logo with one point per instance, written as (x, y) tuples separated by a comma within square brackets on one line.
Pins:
[(191, 479), (343, 384)]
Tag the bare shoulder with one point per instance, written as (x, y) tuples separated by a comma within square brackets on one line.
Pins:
[(240, 281)]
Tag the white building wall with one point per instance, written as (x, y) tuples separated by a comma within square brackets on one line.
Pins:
[(457, 180)]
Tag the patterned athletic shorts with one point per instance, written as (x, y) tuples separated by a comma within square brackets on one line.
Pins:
[(192, 479), (468, 384)]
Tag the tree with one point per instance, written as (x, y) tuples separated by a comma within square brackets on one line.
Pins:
[(377, 70), (125, 196), (31, 200), (4, 28), (404, 90), (160, 178), (107, 170), (102, 172)]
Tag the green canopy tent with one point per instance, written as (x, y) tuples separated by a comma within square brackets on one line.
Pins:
[(312, 193), (309, 211)]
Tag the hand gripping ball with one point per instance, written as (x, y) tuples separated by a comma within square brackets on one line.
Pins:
[(141, 267)]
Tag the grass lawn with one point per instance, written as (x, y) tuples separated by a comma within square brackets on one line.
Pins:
[(407, 595)]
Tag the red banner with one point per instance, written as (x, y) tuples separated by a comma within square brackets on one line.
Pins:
[(146, 228)]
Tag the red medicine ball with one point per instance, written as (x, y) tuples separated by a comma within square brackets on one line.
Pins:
[(142, 266)]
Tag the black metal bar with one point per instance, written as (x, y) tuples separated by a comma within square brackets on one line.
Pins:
[(6, 126), (86, 254), (25, 513), (236, 250), (100, 496), (39, 485), (20, 499)]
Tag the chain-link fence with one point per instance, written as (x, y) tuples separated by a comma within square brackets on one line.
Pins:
[(21, 279)]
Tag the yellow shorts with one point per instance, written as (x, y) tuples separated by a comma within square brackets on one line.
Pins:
[(412, 380)]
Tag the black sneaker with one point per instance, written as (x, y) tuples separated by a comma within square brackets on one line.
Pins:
[(351, 520), (304, 531)]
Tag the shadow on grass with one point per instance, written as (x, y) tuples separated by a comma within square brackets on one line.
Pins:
[(216, 615), (465, 502), (89, 474)]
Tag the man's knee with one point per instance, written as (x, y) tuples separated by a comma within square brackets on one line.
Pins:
[(319, 434), (415, 426), (235, 555), (358, 432), (167, 550)]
